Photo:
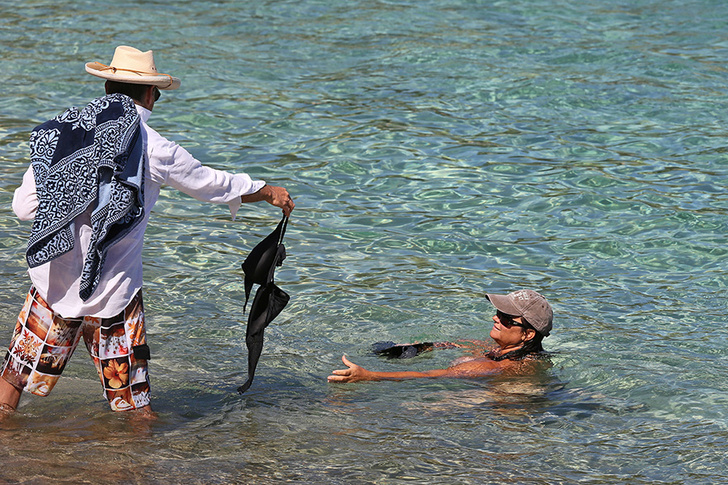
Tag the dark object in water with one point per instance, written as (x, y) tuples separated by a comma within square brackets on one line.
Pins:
[(401, 351), (269, 301), (406, 351)]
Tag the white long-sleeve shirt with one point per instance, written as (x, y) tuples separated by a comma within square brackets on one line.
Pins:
[(168, 164)]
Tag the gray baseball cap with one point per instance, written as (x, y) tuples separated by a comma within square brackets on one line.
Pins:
[(527, 304)]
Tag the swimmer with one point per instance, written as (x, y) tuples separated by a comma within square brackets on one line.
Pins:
[(523, 318)]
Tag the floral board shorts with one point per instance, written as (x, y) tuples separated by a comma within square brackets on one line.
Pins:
[(43, 343)]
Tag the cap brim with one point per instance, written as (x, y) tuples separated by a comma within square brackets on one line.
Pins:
[(504, 304), (161, 81)]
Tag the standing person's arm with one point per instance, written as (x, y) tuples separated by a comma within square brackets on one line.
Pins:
[(25, 198), (178, 168)]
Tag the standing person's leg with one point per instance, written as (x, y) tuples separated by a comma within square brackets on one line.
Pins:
[(42, 344), (12, 389), (118, 346), (9, 397)]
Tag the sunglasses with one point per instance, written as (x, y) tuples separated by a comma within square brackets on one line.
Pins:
[(157, 94), (508, 320)]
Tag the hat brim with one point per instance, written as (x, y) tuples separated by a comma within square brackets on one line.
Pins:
[(504, 304), (161, 81)]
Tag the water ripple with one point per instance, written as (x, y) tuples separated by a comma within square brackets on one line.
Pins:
[(436, 150)]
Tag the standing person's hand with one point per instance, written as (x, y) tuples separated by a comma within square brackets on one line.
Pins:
[(277, 196)]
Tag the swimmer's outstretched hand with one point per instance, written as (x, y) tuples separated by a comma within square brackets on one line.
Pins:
[(354, 373)]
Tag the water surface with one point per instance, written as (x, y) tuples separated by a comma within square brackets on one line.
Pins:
[(436, 150)]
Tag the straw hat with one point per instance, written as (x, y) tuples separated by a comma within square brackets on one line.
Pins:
[(131, 65)]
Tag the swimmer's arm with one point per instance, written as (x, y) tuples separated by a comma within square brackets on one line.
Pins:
[(355, 373), (471, 342), (472, 346)]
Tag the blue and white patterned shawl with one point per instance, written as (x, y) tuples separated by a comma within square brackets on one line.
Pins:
[(92, 158)]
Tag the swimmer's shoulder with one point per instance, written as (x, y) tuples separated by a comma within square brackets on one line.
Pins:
[(474, 366)]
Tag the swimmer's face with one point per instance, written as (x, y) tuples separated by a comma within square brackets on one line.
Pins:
[(508, 330)]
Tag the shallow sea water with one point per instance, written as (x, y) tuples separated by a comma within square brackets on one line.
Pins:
[(436, 150)]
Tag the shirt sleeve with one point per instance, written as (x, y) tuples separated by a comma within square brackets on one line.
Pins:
[(25, 198), (185, 173)]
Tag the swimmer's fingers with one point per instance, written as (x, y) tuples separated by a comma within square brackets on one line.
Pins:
[(344, 375), (340, 375), (337, 378)]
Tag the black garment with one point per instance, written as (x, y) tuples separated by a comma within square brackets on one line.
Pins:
[(259, 268)]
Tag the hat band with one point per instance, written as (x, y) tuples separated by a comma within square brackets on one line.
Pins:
[(141, 73)]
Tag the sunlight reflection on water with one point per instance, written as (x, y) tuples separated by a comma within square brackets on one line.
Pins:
[(436, 150)]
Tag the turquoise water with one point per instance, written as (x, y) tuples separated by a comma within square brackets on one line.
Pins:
[(436, 150)]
